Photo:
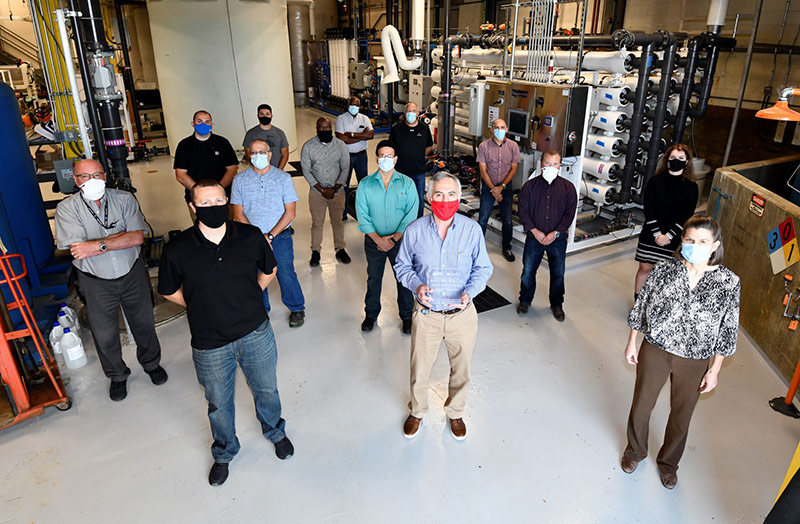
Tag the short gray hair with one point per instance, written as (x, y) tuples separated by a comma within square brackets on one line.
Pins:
[(441, 175)]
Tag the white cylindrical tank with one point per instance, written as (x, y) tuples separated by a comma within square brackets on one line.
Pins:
[(610, 146), (602, 169), (611, 121), (614, 96), (598, 191), (225, 57)]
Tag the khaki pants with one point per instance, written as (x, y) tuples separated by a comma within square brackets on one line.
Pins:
[(318, 204), (654, 368), (428, 330)]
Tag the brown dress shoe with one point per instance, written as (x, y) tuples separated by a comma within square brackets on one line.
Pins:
[(669, 480), (628, 465), (411, 426), (458, 429)]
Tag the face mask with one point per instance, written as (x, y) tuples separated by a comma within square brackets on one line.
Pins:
[(264, 120), (695, 253), (549, 173), (202, 129), (386, 164), (445, 210), (676, 164), (259, 161), (411, 117), (325, 136), (499, 134), (93, 189), (353, 110), (212, 216)]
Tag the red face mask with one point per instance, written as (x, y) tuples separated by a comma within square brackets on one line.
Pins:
[(445, 210)]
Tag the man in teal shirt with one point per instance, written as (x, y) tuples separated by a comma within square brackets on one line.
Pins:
[(386, 203)]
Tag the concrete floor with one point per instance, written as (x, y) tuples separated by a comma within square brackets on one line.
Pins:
[(546, 416)]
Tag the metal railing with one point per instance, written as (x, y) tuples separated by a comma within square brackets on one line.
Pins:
[(18, 46)]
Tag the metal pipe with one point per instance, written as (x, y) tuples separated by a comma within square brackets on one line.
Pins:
[(576, 80), (687, 88), (389, 87), (127, 71), (73, 82), (743, 85)]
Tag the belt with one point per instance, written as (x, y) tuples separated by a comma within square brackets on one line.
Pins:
[(95, 277), (362, 152), (444, 312)]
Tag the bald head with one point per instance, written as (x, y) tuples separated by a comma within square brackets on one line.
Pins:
[(323, 124), (86, 169), (499, 124)]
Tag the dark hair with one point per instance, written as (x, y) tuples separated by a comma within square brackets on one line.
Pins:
[(552, 153), (709, 224), (264, 106), (385, 143), (206, 182), (688, 171), (201, 111), (356, 99)]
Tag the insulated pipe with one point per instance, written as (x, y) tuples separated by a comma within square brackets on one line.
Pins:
[(417, 20), (391, 38), (73, 83)]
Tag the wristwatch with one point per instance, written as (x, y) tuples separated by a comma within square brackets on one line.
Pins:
[(556, 234), (103, 246), (504, 186), (270, 237)]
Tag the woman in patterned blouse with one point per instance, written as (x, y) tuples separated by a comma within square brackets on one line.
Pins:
[(688, 312)]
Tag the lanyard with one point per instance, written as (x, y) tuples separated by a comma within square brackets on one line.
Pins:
[(104, 224)]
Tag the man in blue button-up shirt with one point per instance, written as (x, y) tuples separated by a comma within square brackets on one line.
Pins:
[(443, 260), (386, 203)]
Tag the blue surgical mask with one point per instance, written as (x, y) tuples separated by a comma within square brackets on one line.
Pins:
[(259, 161), (202, 129), (353, 110), (499, 134), (411, 117), (386, 164), (696, 253)]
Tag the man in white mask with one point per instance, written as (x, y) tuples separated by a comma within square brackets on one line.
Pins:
[(547, 206), (103, 229)]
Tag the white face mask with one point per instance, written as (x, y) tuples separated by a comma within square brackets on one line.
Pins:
[(550, 173), (259, 161), (93, 189)]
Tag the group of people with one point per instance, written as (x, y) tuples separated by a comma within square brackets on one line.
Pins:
[(220, 269)]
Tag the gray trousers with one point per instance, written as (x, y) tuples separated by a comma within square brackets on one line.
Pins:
[(103, 298)]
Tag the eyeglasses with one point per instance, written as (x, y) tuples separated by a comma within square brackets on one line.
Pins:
[(253, 153), (86, 176), (386, 156)]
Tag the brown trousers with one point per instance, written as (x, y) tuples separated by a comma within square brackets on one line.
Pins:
[(428, 330), (318, 204), (654, 368)]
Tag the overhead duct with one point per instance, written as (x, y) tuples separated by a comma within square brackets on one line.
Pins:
[(616, 62), (391, 38)]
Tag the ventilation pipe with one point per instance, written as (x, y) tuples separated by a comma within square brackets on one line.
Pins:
[(716, 16), (391, 38)]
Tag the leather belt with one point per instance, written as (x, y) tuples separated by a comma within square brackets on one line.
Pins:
[(446, 311)]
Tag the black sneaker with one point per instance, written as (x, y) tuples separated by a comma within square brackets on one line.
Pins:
[(508, 255), (297, 318), (558, 313), (314, 258), (522, 308), (344, 218), (368, 324), (343, 257), (118, 390), (406, 326), (158, 376), (218, 474), (284, 448)]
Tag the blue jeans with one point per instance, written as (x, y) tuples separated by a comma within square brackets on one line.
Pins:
[(419, 181), (291, 294), (257, 354), (556, 261), (487, 203), (358, 162), (376, 263)]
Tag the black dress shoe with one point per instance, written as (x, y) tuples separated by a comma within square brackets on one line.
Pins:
[(284, 448), (522, 308), (406, 326), (508, 255), (558, 313), (218, 474), (314, 258), (343, 257), (296, 318), (118, 390), (158, 376), (368, 324)]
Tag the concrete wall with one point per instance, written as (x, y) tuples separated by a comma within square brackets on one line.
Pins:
[(746, 255)]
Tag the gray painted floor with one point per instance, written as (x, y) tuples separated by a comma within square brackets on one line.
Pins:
[(546, 417)]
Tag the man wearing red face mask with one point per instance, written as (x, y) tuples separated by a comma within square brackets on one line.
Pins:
[(443, 261)]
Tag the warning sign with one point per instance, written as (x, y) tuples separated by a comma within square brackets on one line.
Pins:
[(782, 246), (757, 205)]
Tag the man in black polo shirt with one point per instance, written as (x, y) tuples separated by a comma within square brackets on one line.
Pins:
[(204, 155), (218, 270), (414, 143)]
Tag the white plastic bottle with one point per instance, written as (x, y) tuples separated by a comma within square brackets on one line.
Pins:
[(55, 337), (72, 348), (70, 313)]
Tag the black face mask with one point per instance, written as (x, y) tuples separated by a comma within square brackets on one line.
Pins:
[(325, 136), (676, 164), (264, 120), (212, 216)]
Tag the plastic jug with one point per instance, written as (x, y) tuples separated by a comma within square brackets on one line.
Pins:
[(65, 321), (72, 348), (69, 313), (55, 337)]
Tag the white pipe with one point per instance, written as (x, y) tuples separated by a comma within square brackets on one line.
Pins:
[(602, 169), (73, 83), (418, 20), (617, 62), (717, 12), (390, 37)]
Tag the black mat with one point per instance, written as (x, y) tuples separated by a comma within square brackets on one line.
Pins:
[(298, 171), (488, 300)]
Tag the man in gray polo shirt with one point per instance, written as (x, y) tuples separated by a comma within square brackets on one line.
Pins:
[(272, 135), (103, 229), (326, 162)]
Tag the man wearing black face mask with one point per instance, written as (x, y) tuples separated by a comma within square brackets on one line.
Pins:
[(326, 162), (272, 135)]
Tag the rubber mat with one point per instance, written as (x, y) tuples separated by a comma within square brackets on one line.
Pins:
[(489, 299), (298, 171)]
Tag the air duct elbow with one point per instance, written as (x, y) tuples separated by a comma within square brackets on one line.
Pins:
[(391, 38)]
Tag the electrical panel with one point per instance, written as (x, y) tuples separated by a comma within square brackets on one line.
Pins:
[(358, 75), (419, 90)]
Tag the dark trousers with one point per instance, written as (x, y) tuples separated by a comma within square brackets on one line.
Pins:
[(654, 368), (358, 163), (419, 181), (556, 261), (376, 263), (103, 299), (487, 204)]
